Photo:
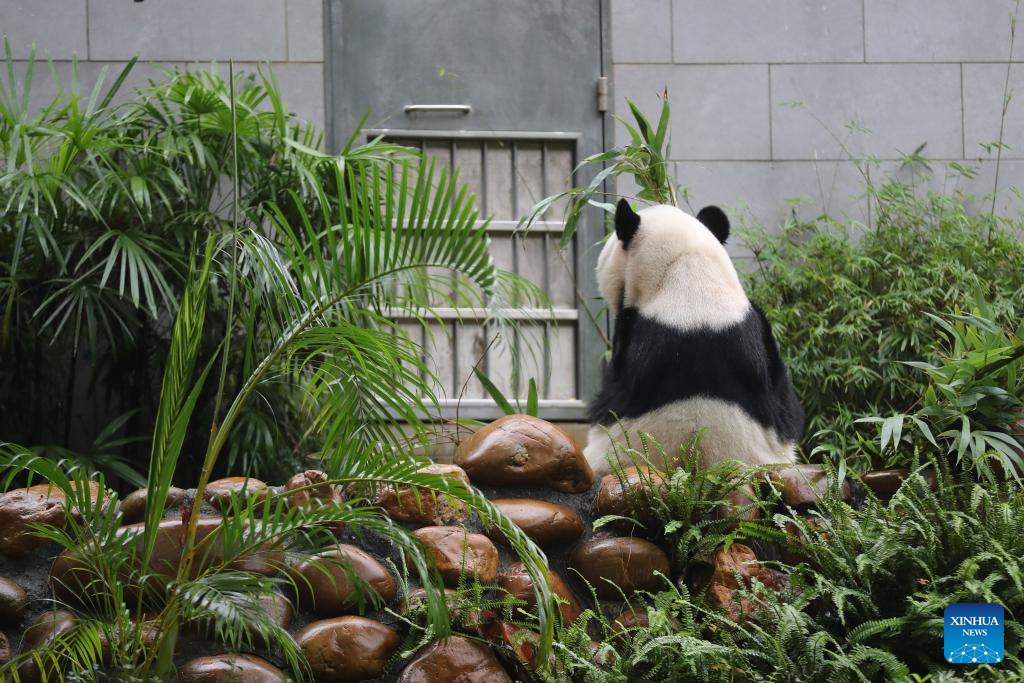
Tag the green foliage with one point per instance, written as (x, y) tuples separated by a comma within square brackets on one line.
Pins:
[(645, 157), (100, 203), (865, 604), (975, 391), (305, 290), (696, 508), (850, 306)]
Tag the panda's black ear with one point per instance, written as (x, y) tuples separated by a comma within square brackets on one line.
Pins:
[(716, 221), (627, 222)]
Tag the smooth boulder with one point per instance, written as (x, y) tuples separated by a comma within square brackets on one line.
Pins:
[(545, 523), (13, 601), (803, 485), (347, 649), (220, 493), (455, 660), (613, 564), (324, 585), (630, 493), (521, 450), (230, 667), (456, 551), (22, 508), (515, 580), (133, 507)]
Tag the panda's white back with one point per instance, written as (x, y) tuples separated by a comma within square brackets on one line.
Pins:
[(690, 352)]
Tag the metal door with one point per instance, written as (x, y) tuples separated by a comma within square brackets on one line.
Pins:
[(505, 90)]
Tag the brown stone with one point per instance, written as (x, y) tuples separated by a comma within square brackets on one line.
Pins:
[(802, 485), (21, 508), (13, 601), (736, 567), (632, 618), (133, 507), (520, 450), (410, 505), (209, 549), (740, 504), (519, 584), (455, 660), (521, 641), (231, 667), (628, 563), (545, 523), (310, 486), (885, 483), (71, 579), (5, 648), (456, 551), (347, 649), (630, 494), (41, 632), (324, 582), (220, 493)]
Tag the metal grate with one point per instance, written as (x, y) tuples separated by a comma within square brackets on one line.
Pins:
[(508, 173)]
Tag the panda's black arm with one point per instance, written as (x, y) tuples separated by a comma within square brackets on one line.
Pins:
[(625, 321), (776, 368)]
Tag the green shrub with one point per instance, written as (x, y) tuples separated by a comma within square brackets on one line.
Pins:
[(850, 304), (975, 390)]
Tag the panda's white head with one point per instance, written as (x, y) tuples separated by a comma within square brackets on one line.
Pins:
[(673, 267)]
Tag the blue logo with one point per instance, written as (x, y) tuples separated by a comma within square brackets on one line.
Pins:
[(973, 633)]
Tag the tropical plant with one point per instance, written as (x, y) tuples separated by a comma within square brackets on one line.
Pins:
[(975, 391), (307, 298), (850, 306), (100, 200), (645, 157)]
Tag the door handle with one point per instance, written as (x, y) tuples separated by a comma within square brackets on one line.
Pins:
[(460, 109)]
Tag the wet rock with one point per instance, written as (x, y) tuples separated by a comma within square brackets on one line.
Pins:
[(41, 632), (632, 618), (520, 450), (324, 582), (5, 648), (309, 490), (630, 494), (21, 508), (792, 552), (885, 483), (209, 549), (347, 649), (13, 601), (456, 551), (628, 563), (517, 582), (230, 667), (802, 485), (738, 567), (310, 486), (546, 523), (740, 504), (220, 493), (456, 660), (133, 507), (71, 579), (522, 642), (409, 505)]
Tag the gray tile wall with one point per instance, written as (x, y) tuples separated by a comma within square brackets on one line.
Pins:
[(286, 33), (771, 99)]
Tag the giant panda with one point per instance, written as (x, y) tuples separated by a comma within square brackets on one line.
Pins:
[(690, 352)]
